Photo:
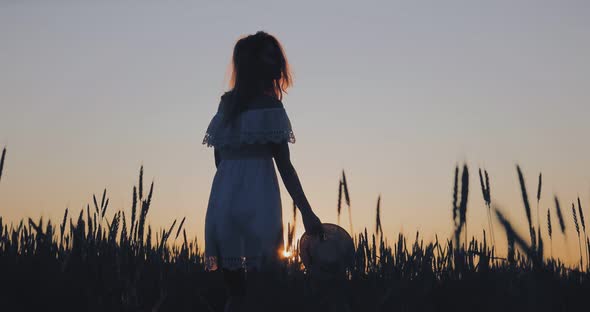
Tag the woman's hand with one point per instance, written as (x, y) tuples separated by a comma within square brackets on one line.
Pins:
[(312, 223)]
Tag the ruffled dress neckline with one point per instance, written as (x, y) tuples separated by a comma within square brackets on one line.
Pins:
[(258, 125)]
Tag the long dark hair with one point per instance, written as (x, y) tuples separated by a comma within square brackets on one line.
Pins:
[(259, 67)]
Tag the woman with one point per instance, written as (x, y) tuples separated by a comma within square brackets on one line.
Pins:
[(243, 226)]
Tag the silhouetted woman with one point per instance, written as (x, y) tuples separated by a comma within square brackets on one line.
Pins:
[(243, 226)]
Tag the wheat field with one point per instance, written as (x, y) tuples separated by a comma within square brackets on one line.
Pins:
[(97, 260)]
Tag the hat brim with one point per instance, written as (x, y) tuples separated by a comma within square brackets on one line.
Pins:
[(341, 245)]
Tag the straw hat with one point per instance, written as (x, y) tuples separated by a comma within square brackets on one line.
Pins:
[(330, 252)]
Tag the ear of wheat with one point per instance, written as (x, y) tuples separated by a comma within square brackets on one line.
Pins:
[(582, 221), (464, 197), (123, 237), (527, 207), (2, 161), (485, 190), (578, 231), (559, 215), (133, 228), (62, 228), (489, 198), (345, 185), (488, 187), (539, 236), (179, 228), (347, 199), (140, 183), (539, 187), (575, 218), (483, 187), (378, 228), (339, 208), (460, 209), (550, 230), (455, 191)]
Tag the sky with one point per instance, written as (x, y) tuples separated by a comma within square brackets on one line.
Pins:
[(396, 93)]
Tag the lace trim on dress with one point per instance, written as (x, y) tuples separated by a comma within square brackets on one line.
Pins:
[(233, 263), (213, 263), (270, 125)]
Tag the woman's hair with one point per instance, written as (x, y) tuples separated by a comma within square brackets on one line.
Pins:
[(259, 67)]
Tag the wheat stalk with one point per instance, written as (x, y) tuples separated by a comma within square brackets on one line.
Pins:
[(583, 222), (514, 237), (133, 228), (179, 228), (378, 228), (489, 198), (559, 216), (339, 208), (62, 227), (374, 261), (539, 186), (550, 230), (485, 190), (464, 198), (527, 207), (123, 237), (460, 209), (2, 162), (347, 199), (539, 235), (141, 183), (578, 231)]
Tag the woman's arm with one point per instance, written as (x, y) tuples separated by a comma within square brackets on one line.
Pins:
[(282, 158)]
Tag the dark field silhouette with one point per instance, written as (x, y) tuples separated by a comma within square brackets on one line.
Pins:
[(95, 260)]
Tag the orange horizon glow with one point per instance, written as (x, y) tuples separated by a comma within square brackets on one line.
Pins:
[(395, 95)]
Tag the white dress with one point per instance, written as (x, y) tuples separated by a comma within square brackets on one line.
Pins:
[(243, 225)]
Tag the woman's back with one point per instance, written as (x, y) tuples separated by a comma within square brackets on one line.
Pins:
[(244, 218)]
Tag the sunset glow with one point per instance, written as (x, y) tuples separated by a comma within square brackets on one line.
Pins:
[(413, 155), (396, 96)]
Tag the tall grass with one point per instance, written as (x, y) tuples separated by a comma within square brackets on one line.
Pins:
[(347, 199), (487, 197), (583, 223), (339, 206), (460, 208), (575, 217), (550, 230), (102, 260), (539, 187), (378, 227), (559, 216), (527, 206)]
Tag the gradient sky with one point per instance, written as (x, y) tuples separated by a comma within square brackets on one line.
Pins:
[(396, 93)]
